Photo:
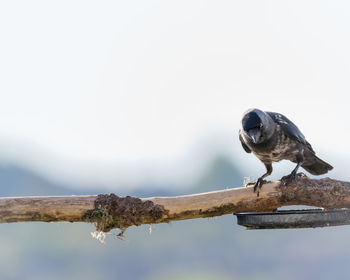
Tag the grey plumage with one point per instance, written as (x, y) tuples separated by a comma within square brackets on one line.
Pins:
[(272, 137)]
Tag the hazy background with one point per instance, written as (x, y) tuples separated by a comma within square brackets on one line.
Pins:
[(145, 98)]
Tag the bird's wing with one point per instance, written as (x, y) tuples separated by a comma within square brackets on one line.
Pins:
[(245, 147), (289, 128)]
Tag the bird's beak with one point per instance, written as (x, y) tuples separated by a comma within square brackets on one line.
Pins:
[(254, 134)]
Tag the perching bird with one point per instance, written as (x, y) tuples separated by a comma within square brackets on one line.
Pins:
[(272, 137)]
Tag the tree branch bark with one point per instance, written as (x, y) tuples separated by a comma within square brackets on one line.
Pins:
[(111, 211)]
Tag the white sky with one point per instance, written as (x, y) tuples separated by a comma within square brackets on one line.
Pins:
[(102, 91)]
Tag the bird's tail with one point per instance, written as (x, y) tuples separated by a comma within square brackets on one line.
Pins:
[(317, 166)]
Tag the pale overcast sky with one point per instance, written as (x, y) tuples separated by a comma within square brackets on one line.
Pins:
[(101, 91)]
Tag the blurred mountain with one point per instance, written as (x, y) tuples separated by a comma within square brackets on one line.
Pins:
[(220, 173), (18, 181)]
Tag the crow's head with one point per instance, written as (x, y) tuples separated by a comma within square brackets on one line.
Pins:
[(257, 125)]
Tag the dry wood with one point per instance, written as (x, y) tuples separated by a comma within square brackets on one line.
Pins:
[(111, 211)]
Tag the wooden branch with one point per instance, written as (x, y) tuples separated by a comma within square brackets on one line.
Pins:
[(111, 211)]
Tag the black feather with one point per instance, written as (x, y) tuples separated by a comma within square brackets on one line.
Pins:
[(250, 121), (317, 166), (288, 127)]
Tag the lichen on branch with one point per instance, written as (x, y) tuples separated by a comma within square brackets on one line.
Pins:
[(112, 211)]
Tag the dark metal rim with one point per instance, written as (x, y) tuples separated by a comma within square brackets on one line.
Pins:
[(305, 218), (299, 211)]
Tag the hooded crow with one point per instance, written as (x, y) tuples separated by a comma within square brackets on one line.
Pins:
[(272, 137)]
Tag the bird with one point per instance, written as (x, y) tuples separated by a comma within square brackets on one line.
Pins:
[(272, 137)]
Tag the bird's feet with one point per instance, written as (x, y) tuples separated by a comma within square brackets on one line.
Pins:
[(257, 185), (286, 180)]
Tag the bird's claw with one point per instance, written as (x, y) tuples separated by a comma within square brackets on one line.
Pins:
[(258, 184), (285, 180)]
